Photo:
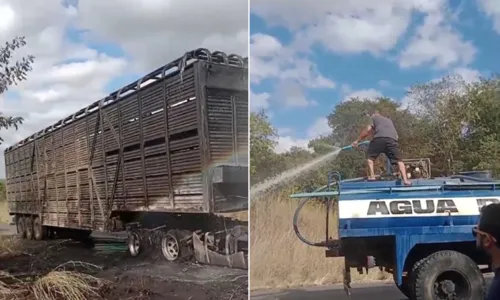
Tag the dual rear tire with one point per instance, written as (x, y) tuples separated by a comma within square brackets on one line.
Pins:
[(174, 244), (31, 228), (445, 275)]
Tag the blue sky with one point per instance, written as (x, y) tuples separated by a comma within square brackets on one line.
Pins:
[(306, 59)]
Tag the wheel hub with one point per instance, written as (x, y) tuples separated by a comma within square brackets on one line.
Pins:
[(445, 289), (451, 286), (170, 247)]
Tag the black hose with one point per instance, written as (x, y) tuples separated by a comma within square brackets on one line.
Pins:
[(296, 227)]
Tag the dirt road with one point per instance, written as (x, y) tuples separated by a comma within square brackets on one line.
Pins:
[(145, 278)]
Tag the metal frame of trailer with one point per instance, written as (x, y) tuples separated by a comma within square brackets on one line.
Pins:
[(175, 140)]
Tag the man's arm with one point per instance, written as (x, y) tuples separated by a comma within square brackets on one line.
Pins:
[(367, 131)]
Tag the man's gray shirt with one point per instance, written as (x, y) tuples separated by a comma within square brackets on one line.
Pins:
[(383, 128)]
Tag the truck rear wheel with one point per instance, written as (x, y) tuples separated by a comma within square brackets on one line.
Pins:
[(21, 229), (28, 223), (175, 246), (134, 243), (448, 275), (39, 231)]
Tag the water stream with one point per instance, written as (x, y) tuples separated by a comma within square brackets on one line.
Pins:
[(291, 174)]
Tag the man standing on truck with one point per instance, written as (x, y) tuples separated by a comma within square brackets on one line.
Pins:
[(385, 140), (487, 235)]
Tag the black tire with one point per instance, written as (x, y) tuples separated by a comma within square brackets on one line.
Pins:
[(135, 243), (39, 231), (408, 287), (448, 266), (22, 226), (412, 277), (28, 223)]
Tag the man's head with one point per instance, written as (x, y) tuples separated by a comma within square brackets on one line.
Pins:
[(370, 112), (487, 232)]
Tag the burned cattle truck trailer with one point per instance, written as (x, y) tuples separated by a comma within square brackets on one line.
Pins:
[(165, 156)]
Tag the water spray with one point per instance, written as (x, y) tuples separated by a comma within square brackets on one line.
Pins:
[(291, 174)]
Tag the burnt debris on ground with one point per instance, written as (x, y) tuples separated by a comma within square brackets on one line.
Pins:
[(109, 272)]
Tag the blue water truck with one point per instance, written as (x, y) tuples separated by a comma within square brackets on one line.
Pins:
[(421, 234)]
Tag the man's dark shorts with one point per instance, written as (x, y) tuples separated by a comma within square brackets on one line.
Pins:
[(384, 145)]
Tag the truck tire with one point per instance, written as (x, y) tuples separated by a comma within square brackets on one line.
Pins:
[(39, 231), (21, 221), (446, 273), (412, 276), (408, 286), (28, 223), (174, 246), (20, 226)]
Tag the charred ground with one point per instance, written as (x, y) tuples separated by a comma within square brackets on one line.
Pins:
[(123, 277)]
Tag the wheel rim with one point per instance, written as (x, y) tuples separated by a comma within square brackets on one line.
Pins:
[(134, 244), (452, 285), (170, 247)]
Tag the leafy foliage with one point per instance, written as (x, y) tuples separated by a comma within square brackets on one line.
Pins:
[(453, 123), (12, 72)]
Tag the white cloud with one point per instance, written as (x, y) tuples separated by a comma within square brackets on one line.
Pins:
[(492, 9), (318, 128), (375, 27), (259, 101), (285, 143), (271, 60), (345, 26), (369, 94), (264, 45), (438, 43), (154, 32), (68, 74), (292, 94), (467, 74)]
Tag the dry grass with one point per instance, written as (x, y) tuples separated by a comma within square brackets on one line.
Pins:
[(4, 213), (56, 285), (10, 246), (67, 285), (239, 215), (279, 259)]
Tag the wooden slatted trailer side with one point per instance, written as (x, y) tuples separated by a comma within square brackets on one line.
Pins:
[(152, 146)]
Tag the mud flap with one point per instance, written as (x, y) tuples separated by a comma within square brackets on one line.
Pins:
[(206, 256)]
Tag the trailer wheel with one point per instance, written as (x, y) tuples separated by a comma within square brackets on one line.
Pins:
[(39, 231), (20, 228), (28, 222), (134, 243), (174, 245), (448, 275)]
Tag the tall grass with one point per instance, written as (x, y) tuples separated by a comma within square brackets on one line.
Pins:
[(4, 212), (279, 259)]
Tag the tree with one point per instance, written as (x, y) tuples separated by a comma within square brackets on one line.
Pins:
[(262, 142), (12, 73)]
